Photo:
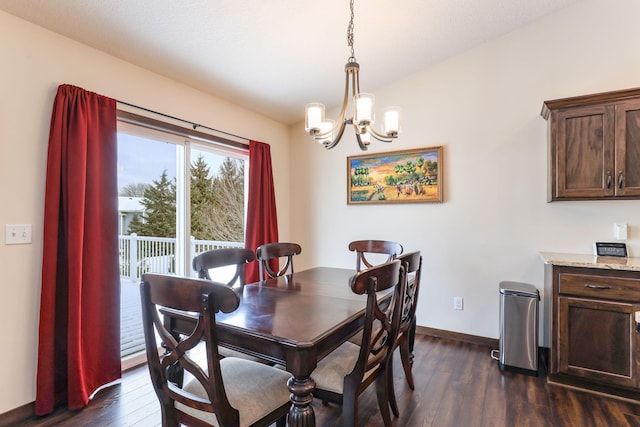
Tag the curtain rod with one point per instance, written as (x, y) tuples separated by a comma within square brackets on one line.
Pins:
[(194, 125)]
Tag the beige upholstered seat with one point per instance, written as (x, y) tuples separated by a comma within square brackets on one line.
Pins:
[(347, 371), (227, 392), (250, 387), (274, 251)]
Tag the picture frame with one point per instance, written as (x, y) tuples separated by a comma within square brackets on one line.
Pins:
[(406, 176)]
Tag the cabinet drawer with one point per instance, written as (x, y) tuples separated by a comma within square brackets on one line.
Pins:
[(613, 288)]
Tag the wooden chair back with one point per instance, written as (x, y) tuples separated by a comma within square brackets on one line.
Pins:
[(381, 324), (364, 247), (412, 263), (202, 298), (382, 318), (225, 257), (269, 254)]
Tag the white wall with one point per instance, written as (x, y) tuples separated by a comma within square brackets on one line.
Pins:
[(34, 63), (484, 107)]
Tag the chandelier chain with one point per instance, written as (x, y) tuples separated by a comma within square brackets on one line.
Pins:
[(352, 58)]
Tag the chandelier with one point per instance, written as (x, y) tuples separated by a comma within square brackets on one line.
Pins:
[(329, 132)]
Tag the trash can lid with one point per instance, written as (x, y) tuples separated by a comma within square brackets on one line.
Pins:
[(519, 288)]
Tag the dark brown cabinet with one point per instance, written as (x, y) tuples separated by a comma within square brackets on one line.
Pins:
[(594, 146), (596, 338), (627, 148)]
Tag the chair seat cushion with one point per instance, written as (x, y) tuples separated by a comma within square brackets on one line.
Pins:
[(254, 389), (330, 372)]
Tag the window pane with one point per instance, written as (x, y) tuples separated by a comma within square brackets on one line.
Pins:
[(147, 187), (147, 224), (217, 201), (177, 198)]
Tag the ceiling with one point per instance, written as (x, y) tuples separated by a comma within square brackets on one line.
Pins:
[(274, 56)]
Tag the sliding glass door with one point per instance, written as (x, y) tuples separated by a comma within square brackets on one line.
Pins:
[(177, 198)]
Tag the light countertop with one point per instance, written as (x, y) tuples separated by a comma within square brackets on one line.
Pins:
[(590, 261)]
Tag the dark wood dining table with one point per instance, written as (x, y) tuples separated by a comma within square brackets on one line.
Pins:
[(294, 320)]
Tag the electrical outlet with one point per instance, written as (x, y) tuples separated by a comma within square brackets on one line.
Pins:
[(457, 303)]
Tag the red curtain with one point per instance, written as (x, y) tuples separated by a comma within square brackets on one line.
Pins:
[(262, 221), (79, 335)]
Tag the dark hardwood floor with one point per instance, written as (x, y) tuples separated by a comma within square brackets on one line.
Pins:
[(457, 384)]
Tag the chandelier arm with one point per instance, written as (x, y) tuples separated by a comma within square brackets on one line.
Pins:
[(345, 99), (339, 123), (320, 135), (331, 144), (380, 137)]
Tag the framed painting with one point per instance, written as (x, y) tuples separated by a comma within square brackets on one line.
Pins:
[(408, 176)]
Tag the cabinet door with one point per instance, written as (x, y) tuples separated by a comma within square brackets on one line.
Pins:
[(627, 152), (597, 341), (585, 142)]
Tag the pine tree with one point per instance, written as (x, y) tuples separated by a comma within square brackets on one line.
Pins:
[(159, 217), (202, 197), (136, 223)]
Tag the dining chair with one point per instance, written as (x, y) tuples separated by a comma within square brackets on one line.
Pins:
[(274, 251), (370, 253), (412, 263), (221, 258), (224, 392), (347, 371), (365, 248)]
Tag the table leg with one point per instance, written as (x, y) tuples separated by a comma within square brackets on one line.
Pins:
[(301, 413)]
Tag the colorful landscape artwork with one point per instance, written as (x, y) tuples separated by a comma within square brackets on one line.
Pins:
[(408, 176)]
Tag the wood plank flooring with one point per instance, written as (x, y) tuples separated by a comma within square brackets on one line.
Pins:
[(457, 384)]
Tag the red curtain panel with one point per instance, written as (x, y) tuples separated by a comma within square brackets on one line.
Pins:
[(79, 333), (262, 221)]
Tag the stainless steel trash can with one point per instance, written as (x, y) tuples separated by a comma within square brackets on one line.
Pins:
[(519, 327)]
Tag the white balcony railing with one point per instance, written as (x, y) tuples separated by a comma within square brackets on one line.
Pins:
[(143, 254)]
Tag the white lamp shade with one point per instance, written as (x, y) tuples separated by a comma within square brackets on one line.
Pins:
[(314, 115), (391, 121), (325, 127), (364, 103)]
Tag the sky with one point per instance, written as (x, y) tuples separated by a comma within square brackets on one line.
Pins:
[(143, 160)]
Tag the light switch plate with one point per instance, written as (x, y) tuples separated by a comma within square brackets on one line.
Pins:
[(620, 231), (17, 234)]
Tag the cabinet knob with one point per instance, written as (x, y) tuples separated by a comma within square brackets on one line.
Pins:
[(608, 180), (620, 180)]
